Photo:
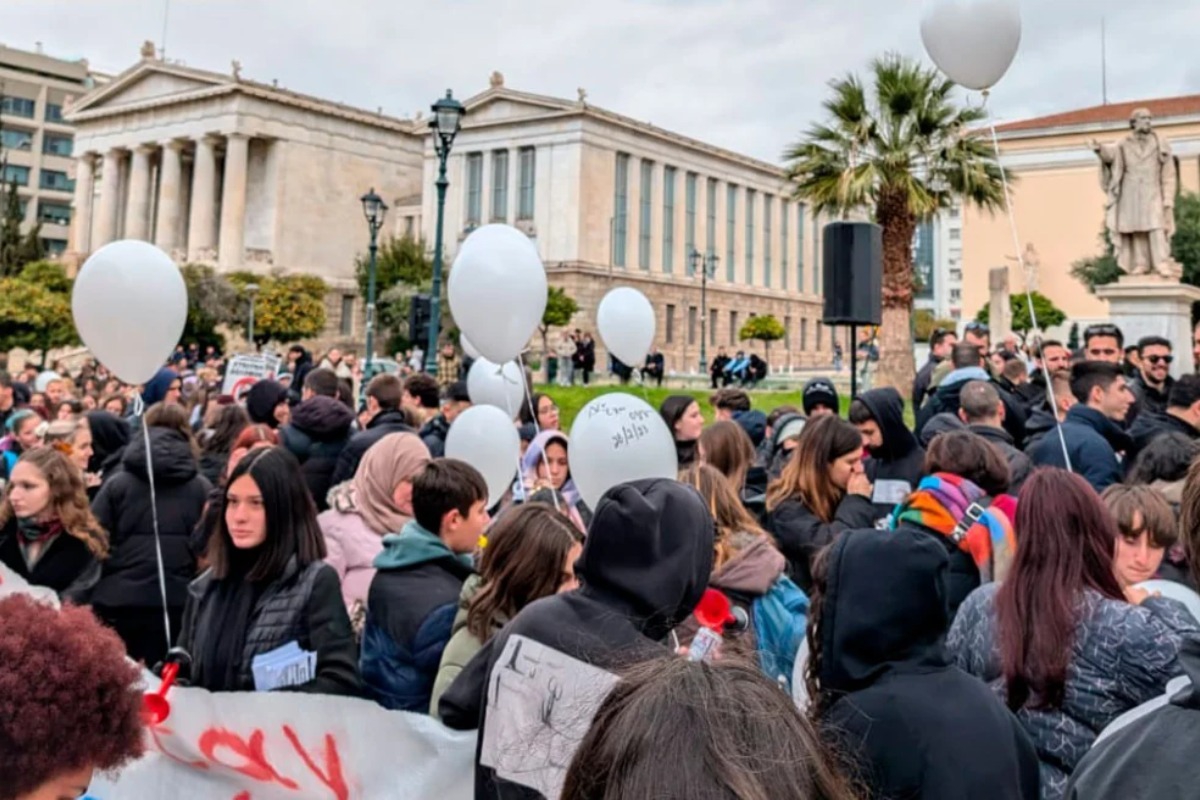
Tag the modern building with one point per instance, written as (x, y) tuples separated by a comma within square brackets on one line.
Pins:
[(217, 168), (937, 264), (1058, 199), (37, 142)]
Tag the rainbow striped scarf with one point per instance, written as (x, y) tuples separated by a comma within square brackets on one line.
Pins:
[(942, 499)]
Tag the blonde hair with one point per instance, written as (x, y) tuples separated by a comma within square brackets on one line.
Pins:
[(730, 516), (729, 450), (68, 498)]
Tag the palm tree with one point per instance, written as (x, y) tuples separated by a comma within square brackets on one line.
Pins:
[(904, 151)]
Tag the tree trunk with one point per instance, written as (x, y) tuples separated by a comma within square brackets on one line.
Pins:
[(897, 366)]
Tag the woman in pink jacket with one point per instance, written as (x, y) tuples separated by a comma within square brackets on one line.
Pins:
[(375, 502)]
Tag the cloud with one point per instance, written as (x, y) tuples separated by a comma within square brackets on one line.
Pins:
[(749, 75)]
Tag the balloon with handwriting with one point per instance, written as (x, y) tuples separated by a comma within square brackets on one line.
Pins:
[(626, 323), (497, 290), (485, 438), (130, 304), (973, 41), (502, 386), (617, 438)]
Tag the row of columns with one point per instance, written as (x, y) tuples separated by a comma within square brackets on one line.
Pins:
[(139, 198)]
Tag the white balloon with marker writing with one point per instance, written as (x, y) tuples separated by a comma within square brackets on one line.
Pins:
[(619, 438), (491, 384), (485, 438), (626, 323), (973, 41), (497, 291), (130, 305)]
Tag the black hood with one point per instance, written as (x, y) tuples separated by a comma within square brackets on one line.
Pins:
[(887, 408), (261, 401), (110, 434), (171, 456), (649, 551), (323, 418), (885, 606), (394, 418)]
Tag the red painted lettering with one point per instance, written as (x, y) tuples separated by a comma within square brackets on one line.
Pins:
[(242, 796), (155, 730), (333, 763), (255, 763)]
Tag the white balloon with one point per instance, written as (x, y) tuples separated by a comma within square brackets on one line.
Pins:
[(490, 384), (467, 347), (485, 438), (497, 291), (130, 306), (626, 323), (618, 438), (1175, 591), (972, 41), (44, 378)]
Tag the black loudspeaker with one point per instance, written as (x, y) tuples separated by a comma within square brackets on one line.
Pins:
[(853, 273)]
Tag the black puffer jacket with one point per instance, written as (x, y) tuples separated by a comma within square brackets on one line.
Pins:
[(1019, 465), (319, 430), (129, 578), (434, 433)]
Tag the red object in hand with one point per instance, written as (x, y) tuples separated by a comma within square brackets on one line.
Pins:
[(155, 708), (714, 610)]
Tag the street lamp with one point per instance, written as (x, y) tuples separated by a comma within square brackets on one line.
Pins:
[(708, 269), (252, 289), (374, 210), (447, 120)]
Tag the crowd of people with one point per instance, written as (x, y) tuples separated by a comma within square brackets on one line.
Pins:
[(957, 605)]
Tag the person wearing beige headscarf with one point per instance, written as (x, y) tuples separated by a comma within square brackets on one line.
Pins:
[(375, 502)]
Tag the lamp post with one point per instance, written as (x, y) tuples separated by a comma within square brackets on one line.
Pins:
[(447, 120), (708, 269), (374, 210), (252, 290)]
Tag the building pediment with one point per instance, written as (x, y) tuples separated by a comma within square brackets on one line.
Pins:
[(148, 83), (499, 105)]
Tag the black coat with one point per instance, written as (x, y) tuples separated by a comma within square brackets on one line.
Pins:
[(645, 565), (911, 724), (924, 377), (433, 434), (946, 400), (319, 430), (381, 425), (67, 565), (1147, 398), (800, 534), (129, 578), (1149, 426), (897, 466), (1019, 465)]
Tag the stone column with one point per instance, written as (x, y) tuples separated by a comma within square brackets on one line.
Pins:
[(81, 219), (166, 225), (137, 209), (202, 218), (110, 183), (999, 311), (232, 246)]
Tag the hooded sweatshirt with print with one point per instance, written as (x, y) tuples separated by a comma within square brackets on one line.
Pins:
[(644, 567)]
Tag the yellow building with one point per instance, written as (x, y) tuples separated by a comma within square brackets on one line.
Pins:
[(1058, 201)]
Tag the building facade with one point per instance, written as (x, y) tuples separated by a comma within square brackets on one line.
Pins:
[(937, 265), (36, 140), (219, 169), (1058, 199)]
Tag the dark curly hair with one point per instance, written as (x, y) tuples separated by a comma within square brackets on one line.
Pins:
[(69, 699)]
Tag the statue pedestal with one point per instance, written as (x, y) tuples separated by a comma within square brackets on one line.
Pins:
[(1147, 306)]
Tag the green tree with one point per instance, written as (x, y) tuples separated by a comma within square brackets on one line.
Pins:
[(1048, 314), (403, 269), (1098, 270), (35, 309), (1073, 337), (765, 329), (902, 150), (287, 308), (924, 322), (212, 301), (560, 307)]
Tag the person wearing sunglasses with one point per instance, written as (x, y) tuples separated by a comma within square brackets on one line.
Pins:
[(1152, 383), (978, 334), (1104, 343)]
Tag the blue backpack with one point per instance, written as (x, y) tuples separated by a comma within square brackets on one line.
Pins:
[(780, 618)]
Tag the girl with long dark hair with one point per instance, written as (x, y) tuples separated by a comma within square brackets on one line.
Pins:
[(1061, 640), (686, 422)]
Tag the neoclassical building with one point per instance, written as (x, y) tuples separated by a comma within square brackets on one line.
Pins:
[(245, 175)]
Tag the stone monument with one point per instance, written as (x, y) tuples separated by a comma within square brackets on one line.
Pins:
[(999, 304), (1138, 175)]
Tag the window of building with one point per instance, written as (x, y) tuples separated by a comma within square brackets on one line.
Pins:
[(56, 180), (527, 156), (670, 323), (816, 270), (787, 333), (955, 295), (16, 174), (767, 209), (347, 322), (17, 106), (620, 210), (710, 213), (645, 213), (955, 234), (784, 210), (730, 232), (712, 326), (668, 221), (13, 139), (54, 247), (693, 317), (751, 196), (733, 328), (410, 226), (54, 213), (56, 144), (474, 189), (689, 221), (956, 274), (500, 186), (803, 335), (54, 113), (800, 247), (954, 212)]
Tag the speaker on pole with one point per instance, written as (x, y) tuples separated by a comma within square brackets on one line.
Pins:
[(853, 273)]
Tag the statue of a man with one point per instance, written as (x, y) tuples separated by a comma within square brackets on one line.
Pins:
[(1138, 175)]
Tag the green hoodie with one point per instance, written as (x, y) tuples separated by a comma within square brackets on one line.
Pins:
[(412, 546)]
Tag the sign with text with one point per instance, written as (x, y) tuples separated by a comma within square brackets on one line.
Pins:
[(243, 371)]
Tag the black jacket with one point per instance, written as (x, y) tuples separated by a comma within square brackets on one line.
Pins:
[(1093, 441), (645, 565), (800, 534), (433, 434), (1040, 423), (913, 725), (381, 425), (129, 578), (1149, 426), (66, 565), (1019, 465), (896, 467), (304, 606), (946, 400), (920, 387), (319, 430), (1147, 398)]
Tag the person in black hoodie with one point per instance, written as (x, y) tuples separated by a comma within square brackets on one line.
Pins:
[(383, 404), (110, 435), (319, 430), (896, 462), (128, 597), (267, 404), (645, 564), (883, 686), (1182, 415), (300, 362)]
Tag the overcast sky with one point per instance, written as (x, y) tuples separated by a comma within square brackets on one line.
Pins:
[(744, 74)]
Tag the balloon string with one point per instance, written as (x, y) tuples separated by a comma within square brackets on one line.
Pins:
[(537, 428), (1016, 238), (139, 406)]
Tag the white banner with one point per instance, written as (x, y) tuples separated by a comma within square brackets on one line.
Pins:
[(243, 371)]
